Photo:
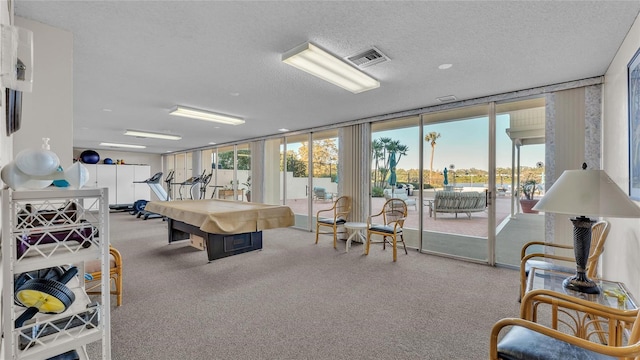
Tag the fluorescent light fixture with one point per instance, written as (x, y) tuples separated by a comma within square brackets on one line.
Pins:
[(316, 61), (123, 145), (205, 115), (146, 134)]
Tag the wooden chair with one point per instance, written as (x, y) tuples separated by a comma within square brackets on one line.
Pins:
[(334, 217), (115, 274), (529, 340), (599, 232), (393, 214)]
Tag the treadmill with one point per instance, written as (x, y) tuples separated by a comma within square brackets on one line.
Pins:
[(160, 192), (130, 207)]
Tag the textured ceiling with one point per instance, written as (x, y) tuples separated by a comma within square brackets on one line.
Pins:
[(141, 58)]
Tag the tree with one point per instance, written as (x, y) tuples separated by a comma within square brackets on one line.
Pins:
[(295, 165), (325, 155), (377, 153), (431, 139), (384, 169), (225, 160), (381, 150)]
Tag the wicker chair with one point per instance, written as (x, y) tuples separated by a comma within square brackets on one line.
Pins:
[(528, 340), (115, 273), (599, 232), (334, 217), (393, 214)]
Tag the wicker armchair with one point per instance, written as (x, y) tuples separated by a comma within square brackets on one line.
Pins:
[(115, 274), (528, 340), (393, 214), (334, 217), (599, 232)]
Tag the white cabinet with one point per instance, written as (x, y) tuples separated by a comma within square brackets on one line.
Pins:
[(42, 231), (119, 179), (103, 176), (141, 191), (124, 184), (129, 187)]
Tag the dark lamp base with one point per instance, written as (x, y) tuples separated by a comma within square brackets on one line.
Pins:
[(581, 284)]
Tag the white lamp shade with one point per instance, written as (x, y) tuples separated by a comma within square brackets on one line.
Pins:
[(587, 193)]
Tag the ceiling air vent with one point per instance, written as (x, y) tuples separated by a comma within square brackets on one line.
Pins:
[(368, 58), (448, 98)]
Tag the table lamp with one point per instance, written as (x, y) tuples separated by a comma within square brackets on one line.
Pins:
[(589, 193)]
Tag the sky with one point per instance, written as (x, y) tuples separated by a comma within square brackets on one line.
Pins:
[(464, 144)]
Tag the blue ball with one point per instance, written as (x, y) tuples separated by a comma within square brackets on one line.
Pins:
[(108, 161), (89, 157)]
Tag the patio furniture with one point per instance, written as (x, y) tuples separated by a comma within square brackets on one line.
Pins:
[(599, 232), (320, 193), (393, 214), (458, 202), (334, 217), (400, 194)]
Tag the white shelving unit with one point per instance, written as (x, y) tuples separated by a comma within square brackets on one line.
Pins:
[(32, 224)]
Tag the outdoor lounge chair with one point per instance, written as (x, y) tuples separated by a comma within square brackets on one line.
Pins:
[(320, 193)]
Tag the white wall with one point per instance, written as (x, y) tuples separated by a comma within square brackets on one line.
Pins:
[(47, 111), (620, 258), (133, 158)]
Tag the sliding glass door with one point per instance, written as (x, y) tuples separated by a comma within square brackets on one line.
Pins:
[(520, 158), (298, 191), (456, 183)]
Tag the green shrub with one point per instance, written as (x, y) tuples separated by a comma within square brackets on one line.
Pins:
[(377, 192)]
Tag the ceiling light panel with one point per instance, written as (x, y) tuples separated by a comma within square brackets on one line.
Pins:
[(123, 145), (205, 115), (318, 62), (146, 134)]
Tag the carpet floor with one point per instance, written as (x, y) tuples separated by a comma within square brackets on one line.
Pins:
[(298, 300)]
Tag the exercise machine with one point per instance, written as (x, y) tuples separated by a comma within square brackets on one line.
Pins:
[(167, 181), (204, 182), (161, 193), (191, 182), (130, 207)]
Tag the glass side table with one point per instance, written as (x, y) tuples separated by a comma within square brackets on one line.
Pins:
[(604, 315)]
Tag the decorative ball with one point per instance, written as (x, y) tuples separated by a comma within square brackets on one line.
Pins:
[(108, 161), (37, 162), (89, 157)]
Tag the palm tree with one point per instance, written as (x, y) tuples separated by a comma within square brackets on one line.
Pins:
[(431, 138), (392, 146), (377, 152), (384, 170)]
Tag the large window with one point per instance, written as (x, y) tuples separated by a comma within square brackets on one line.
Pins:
[(456, 163), (395, 170)]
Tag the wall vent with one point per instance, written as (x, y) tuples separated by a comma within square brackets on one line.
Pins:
[(368, 58)]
